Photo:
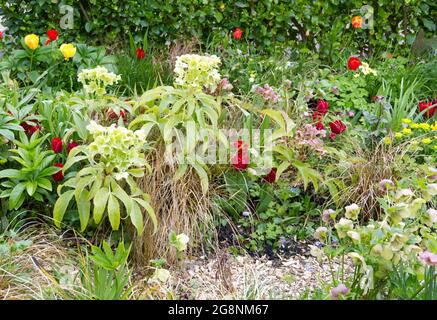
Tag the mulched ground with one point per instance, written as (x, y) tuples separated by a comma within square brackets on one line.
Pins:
[(246, 277)]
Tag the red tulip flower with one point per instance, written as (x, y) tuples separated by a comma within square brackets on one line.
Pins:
[(353, 63), (1, 35), (271, 176), (47, 42), (322, 106), (73, 144), (317, 116), (57, 145), (52, 34), (425, 105), (29, 129), (320, 126), (58, 176), (140, 54), (332, 136), (337, 126), (240, 161), (238, 34)]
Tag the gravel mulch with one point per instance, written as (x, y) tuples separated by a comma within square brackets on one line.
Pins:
[(245, 277)]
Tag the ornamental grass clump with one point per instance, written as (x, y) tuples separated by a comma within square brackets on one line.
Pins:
[(112, 160)]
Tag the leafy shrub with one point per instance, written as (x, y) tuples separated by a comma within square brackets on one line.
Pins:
[(265, 22)]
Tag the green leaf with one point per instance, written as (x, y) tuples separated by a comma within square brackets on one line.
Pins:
[(149, 210), (11, 173), (14, 197), (136, 217), (44, 183), (83, 207), (113, 212), (31, 187), (99, 202), (60, 207)]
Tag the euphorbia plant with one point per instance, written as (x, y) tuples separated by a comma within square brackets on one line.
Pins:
[(114, 159)]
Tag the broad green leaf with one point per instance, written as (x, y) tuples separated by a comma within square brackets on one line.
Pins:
[(113, 212), (99, 202), (60, 207), (15, 195), (83, 207), (136, 217)]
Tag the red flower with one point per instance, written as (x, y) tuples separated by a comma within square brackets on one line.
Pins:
[(322, 106), (113, 116), (271, 176), (58, 176), (52, 34), (57, 145), (240, 161), (1, 35), (332, 136), (47, 42), (30, 130), (424, 105), (353, 63), (337, 126), (140, 53), (320, 126), (73, 144), (317, 116), (238, 34)]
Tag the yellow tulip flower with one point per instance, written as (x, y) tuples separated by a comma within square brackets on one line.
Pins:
[(68, 50), (32, 41)]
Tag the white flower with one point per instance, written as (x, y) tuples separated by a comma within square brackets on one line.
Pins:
[(321, 233), (161, 274), (343, 226), (355, 236), (352, 211)]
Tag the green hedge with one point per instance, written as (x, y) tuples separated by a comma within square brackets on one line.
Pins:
[(262, 21)]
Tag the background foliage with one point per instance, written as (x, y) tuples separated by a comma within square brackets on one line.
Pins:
[(264, 22)]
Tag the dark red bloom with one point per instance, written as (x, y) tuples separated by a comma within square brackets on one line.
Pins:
[(320, 126), (58, 176), (240, 161), (322, 106), (332, 136), (271, 176), (140, 53), (238, 34), (47, 42), (337, 126), (317, 116), (73, 144), (1, 35), (52, 34), (425, 105), (57, 145), (29, 129), (353, 63), (113, 116)]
